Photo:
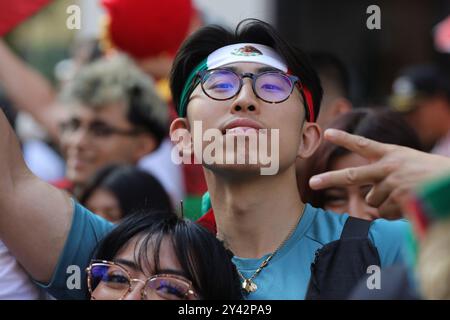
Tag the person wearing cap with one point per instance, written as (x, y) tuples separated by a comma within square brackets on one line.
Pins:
[(422, 95)]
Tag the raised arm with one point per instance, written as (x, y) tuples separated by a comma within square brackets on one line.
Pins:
[(29, 90), (394, 171), (35, 217)]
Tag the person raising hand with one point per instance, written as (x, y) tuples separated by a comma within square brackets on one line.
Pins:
[(393, 171)]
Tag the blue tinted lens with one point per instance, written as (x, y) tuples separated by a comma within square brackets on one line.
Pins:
[(169, 288), (221, 84), (98, 272), (273, 86), (111, 275)]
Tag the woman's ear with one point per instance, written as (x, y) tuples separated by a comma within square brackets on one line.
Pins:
[(311, 139), (180, 135)]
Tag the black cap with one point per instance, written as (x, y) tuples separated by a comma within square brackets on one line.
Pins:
[(418, 83)]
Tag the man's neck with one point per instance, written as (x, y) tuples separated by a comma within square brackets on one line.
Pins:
[(255, 215)]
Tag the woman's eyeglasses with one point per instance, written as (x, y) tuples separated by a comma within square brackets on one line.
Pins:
[(269, 86), (110, 281)]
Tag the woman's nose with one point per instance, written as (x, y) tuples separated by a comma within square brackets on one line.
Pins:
[(359, 208), (136, 292)]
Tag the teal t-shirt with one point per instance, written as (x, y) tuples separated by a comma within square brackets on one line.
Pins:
[(287, 274), (69, 280), (285, 277)]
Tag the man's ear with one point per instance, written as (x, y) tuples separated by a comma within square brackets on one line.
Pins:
[(180, 135), (145, 144), (311, 138)]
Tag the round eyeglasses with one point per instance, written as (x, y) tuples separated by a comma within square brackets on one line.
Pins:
[(269, 86), (110, 281)]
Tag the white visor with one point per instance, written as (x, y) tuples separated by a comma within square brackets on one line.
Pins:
[(246, 52)]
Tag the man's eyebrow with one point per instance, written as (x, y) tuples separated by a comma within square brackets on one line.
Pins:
[(99, 123), (259, 70), (231, 68), (265, 69)]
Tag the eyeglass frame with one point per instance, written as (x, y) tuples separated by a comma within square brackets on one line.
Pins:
[(190, 290), (112, 130), (295, 81)]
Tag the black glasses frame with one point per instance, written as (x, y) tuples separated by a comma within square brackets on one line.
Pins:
[(294, 80)]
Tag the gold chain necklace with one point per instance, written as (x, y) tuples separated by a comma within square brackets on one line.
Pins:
[(248, 285)]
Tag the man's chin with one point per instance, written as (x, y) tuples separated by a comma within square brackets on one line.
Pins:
[(236, 170)]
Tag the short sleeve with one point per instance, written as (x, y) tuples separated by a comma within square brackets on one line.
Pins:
[(69, 277)]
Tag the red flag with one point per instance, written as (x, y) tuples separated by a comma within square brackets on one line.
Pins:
[(13, 12)]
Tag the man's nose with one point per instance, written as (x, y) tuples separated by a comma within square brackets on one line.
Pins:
[(246, 100), (355, 207), (79, 138), (359, 208)]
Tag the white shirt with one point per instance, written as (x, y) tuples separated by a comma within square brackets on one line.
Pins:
[(159, 163), (15, 284)]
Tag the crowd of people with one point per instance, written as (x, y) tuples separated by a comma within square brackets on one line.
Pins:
[(356, 187)]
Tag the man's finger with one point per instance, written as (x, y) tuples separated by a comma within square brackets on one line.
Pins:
[(369, 174), (366, 148), (390, 210), (378, 194)]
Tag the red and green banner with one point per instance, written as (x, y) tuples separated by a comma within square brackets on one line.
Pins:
[(14, 12)]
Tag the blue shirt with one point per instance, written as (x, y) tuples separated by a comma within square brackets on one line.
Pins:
[(285, 277), (288, 272)]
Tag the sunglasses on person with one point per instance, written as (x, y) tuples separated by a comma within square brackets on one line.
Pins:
[(269, 86), (109, 280)]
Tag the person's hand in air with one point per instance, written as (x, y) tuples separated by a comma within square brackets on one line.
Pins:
[(393, 171)]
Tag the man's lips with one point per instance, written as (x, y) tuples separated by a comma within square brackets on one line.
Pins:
[(241, 125)]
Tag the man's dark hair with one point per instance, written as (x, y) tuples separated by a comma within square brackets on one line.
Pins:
[(210, 38)]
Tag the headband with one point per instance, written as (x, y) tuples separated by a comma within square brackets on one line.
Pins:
[(239, 52)]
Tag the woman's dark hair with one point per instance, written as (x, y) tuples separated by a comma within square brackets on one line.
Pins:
[(210, 38), (382, 125), (135, 190), (202, 257)]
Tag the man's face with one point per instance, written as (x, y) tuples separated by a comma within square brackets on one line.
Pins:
[(91, 140), (286, 116), (426, 120)]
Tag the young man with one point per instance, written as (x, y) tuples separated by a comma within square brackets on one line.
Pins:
[(116, 116), (421, 94), (272, 233), (261, 218)]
